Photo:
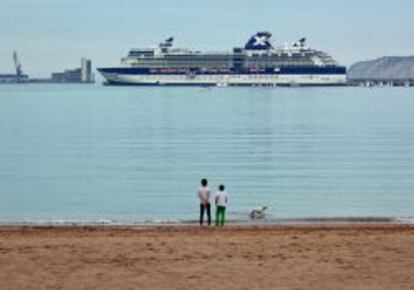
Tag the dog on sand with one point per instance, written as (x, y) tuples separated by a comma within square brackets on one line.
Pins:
[(258, 212)]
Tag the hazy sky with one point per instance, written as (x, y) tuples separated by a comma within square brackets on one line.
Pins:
[(51, 35)]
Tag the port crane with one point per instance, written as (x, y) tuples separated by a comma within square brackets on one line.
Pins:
[(18, 66)]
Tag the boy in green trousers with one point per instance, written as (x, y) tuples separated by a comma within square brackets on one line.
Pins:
[(221, 202)]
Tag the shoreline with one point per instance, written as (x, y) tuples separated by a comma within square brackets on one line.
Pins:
[(252, 222), (338, 225)]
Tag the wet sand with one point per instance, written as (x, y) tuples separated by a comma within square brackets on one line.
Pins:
[(358, 256)]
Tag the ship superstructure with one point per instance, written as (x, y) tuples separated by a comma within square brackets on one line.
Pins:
[(258, 63)]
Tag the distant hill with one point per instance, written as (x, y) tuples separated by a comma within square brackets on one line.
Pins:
[(389, 67)]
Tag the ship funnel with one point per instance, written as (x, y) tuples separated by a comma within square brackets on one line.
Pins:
[(259, 41)]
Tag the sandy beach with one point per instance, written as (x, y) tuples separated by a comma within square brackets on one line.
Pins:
[(360, 256)]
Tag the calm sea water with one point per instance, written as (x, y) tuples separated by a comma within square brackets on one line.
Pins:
[(127, 154)]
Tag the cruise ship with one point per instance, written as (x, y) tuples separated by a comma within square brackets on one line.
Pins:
[(258, 63)]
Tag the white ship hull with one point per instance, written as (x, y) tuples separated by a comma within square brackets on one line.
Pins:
[(226, 80)]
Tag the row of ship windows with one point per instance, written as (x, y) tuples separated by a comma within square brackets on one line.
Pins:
[(218, 65), (215, 59), (213, 64), (206, 77), (172, 65), (231, 56), (158, 62), (211, 77)]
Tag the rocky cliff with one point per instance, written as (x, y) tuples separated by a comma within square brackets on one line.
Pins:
[(390, 67)]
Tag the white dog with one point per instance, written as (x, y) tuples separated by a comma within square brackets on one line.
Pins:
[(258, 212)]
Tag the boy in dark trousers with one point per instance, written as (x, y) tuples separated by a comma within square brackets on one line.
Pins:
[(204, 196)]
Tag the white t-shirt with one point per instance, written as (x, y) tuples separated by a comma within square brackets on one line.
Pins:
[(204, 195), (221, 198)]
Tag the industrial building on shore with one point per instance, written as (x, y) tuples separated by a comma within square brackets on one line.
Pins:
[(84, 74), (13, 78)]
